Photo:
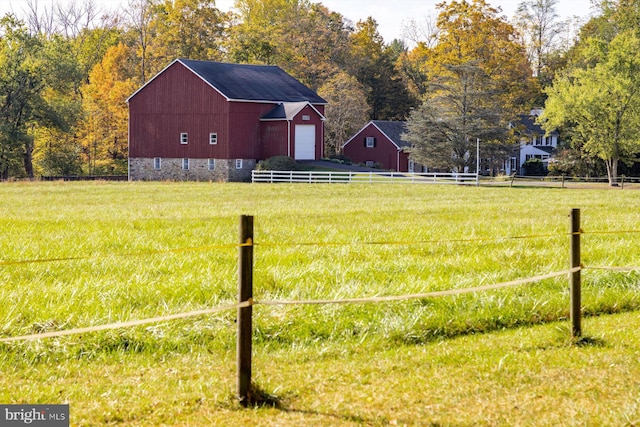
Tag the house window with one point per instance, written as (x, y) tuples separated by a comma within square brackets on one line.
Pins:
[(370, 142), (412, 166), (513, 164), (213, 138), (184, 138), (212, 164), (238, 163), (306, 117), (185, 164), (157, 163)]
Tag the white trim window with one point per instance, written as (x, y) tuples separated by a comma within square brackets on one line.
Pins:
[(412, 166), (213, 138), (211, 164), (238, 163), (157, 163), (185, 164), (306, 117), (184, 138), (370, 142)]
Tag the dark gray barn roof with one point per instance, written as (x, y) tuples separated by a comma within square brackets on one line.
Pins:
[(252, 82), (394, 131)]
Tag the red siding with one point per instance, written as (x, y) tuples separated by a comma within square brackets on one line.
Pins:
[(245, 129), (275, 140), (179, 101), (385, 152), (155, 127)]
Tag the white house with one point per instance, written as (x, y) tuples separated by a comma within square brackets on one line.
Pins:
[(533, 143)]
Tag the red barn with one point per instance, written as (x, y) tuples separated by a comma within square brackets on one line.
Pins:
[(202, 120), (380, 144)]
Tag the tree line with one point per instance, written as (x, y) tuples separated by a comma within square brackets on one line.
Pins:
[(67, 69)]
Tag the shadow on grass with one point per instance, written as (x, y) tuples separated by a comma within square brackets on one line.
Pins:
[(257, 397)]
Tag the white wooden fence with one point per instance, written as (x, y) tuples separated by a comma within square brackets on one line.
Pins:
[(319, 177)]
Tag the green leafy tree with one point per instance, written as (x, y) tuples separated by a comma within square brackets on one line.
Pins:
[(600, 104), (53, 133), (21, 96)]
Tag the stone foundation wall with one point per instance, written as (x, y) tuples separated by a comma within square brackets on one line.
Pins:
[(141, 169)]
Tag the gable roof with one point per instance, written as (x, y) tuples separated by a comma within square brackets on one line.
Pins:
[(243, 82), (288, 110), (531, 126), (393, 130)]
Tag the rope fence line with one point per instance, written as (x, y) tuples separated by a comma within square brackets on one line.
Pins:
[(252, 302), (412, 242), (119, 325), (130, 254), (239, 245), (426, 294), (623, 269), (293, 244), (612, 232)]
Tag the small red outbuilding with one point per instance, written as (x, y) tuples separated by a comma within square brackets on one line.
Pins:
[(202, 120), (380, 144)]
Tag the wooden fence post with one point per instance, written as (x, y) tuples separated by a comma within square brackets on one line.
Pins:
[(245, 293), (576, 313)]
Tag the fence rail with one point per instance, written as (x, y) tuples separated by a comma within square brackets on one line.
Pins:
[(344, 177), (559, 181)]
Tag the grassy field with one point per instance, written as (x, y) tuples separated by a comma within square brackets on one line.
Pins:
[(132, 251)]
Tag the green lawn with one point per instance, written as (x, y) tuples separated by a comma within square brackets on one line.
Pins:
[(136, 250)]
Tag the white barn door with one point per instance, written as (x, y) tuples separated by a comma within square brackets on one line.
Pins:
[(305, 137)]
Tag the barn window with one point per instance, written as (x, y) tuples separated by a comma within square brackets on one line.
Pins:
[(184, 138), (185, 164), (238, 163), (369, 163), (370, 142), (157, 163), (213, 138), (306, 117), (212, 164)]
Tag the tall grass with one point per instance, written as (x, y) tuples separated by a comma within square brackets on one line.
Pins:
[(130, 251), (147, 249)]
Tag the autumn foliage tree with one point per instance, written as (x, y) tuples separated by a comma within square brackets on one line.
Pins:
[(479, 81), (346, 112), (104, 129)]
